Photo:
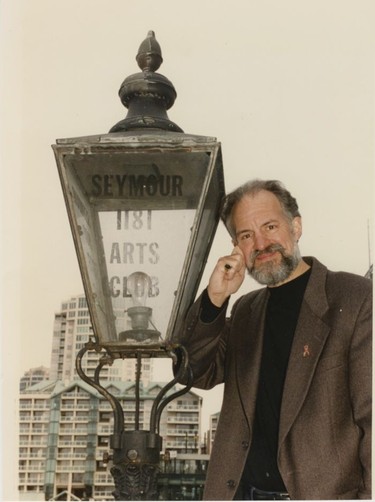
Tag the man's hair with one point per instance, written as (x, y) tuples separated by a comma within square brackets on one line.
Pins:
[(288, 203)]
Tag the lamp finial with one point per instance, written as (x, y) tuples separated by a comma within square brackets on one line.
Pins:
[(147, 95), (149, 56)]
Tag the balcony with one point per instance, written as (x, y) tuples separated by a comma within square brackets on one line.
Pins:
[(32, 468), (103, 479), (176, 432), (25, 418), (71, 431), (72, 455), (70, 468), (75, 407), (103, 429), (43, 418), (181, 445), (74, 418), (34, 442), (185, 420), (26, 455), (71, 442), (41, 406), (183, 407), (39, 430), (35, 480), (25, 406)]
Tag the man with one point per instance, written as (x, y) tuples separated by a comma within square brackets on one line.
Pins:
[(295, 358)]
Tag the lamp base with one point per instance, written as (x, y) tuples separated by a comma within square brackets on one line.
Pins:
[(136, 465), (135, 481), (139, 336)]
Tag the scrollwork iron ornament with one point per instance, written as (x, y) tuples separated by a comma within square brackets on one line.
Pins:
[(136, 453)]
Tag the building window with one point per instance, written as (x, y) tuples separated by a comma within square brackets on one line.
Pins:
[(82, 304)]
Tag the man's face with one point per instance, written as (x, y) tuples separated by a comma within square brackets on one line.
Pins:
[(267, 238)]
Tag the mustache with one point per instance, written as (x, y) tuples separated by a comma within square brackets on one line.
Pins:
[(269, 249)]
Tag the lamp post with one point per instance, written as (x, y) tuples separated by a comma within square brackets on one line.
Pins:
[(143, 203)]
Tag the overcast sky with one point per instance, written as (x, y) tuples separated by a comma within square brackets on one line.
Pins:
[(286, 86)]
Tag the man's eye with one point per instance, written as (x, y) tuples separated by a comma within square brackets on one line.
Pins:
[(271, 227), (245, 236)]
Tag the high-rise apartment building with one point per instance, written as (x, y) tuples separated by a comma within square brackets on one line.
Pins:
[(33, 376)]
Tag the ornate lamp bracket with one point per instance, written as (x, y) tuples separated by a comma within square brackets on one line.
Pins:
[(136, 452)]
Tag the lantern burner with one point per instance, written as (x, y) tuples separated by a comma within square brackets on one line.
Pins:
[(140, 320)]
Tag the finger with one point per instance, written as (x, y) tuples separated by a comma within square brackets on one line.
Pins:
[(232, 262), (238, 250), (228, 262)]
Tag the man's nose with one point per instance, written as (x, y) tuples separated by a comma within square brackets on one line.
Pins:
[(261, 242)]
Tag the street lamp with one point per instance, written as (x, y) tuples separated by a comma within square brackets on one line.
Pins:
[(143, 203)]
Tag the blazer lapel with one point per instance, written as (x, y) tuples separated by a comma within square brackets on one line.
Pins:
[(250, 328), (309, 340)]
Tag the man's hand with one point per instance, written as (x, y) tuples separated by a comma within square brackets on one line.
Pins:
[(227, 277)]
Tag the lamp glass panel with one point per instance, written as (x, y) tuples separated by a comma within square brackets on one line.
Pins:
[(150, 241), (133, 212)]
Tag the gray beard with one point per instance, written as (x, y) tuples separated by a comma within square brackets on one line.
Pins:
[(271, 274)]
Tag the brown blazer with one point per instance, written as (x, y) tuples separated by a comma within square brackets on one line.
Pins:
[(325, 426)]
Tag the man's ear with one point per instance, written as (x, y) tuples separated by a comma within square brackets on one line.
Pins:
[(297, 227)]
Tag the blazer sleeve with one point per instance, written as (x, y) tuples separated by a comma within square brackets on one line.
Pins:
[(360, 375), (206, 346)]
